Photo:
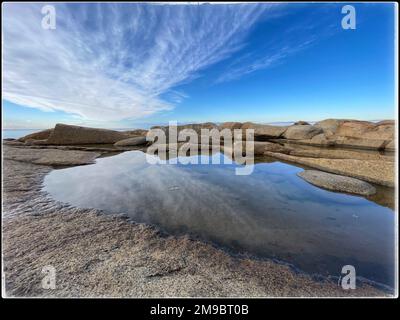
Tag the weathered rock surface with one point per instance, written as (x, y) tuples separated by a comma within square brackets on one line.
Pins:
[(329, 126), (135, 141), (356, 134), (336, 182), (53, 157), (264, 131), (230, 125), (366, 130), (66, 134), (375, 171), (299, 132), (41, 135)]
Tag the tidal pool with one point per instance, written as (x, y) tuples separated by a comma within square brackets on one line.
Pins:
[(271, 213)]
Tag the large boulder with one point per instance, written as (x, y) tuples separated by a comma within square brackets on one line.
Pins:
[(376, 171), (354, 129), (41, 135), (260, 147), (64, 134), (300, 132), (265, 131), (355, 134), (336, 182), (134, 141), (383, 130), (230, 125), (329, 126)]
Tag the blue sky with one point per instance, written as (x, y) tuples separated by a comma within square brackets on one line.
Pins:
[(128, 65)]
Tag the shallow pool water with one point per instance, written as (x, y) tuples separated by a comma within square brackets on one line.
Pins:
[(271, 213)]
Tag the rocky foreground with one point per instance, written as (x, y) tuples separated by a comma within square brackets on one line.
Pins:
[(102, 255)]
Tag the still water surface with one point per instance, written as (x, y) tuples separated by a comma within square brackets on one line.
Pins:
[(271, 213)]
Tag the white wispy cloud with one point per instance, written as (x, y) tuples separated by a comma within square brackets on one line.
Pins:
[(252, 62), (288, 40), (115, 61)]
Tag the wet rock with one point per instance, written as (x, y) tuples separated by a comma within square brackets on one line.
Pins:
[(299, 132), (383, 130), (336, 182), (66, 134), (135, 141)]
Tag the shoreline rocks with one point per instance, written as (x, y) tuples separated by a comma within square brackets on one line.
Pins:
[(66, 134), (265, 131), (336, 182), (301, 132), (282, 142), (50, 157), (41, 135), (135, 141), (344, 133), (375, 171)]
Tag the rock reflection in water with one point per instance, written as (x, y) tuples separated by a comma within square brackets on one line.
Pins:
[(270, 213)]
